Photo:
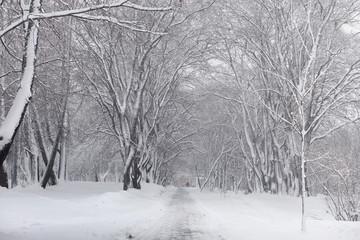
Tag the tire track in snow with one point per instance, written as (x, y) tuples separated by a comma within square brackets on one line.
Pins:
[(182, 221)]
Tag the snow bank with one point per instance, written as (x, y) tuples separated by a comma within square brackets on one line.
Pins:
[(102, 211), (266, 216), (79, 210)]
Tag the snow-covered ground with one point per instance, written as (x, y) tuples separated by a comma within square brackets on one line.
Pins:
[(266, 216), (83, 210), (79, 211)]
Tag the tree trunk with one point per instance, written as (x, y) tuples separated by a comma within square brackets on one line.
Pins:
[(15, 156), (37, 169), (126, 179), (62, 162), (136, 173), (3, 177), (49, 173), (40, 142), (15, 116), (132, 174)]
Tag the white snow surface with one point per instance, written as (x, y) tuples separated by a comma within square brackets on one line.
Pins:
[(79, 211), (267, 216), (85, 210)]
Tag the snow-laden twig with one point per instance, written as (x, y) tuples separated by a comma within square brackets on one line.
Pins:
[(125, 24), (37, 16)]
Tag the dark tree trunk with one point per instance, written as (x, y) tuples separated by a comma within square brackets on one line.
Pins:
[(133, 175), (37, 169), (136, 173), (3, 177), (96, 174), (59, 166), (5, 151), (126, 179), (13, 172), (53, 178), (38, 135), (14, 157), (49, 176)]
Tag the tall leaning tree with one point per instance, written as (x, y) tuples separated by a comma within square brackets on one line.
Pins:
[(16, 113)]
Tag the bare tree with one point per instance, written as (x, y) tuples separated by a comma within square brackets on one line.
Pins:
[(30, 17), (293, 57)]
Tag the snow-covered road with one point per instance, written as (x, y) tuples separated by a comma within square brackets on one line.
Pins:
[(182, 220), (102, 211)]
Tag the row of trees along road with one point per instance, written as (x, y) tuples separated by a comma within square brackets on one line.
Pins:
[(282, 80), (253, 94), (118, 63)]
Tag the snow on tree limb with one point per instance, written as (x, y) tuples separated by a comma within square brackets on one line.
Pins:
[(13, 118), (37, 16), (125, 24)]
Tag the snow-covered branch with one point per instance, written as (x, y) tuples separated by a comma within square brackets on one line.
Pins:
[(76, 12)]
